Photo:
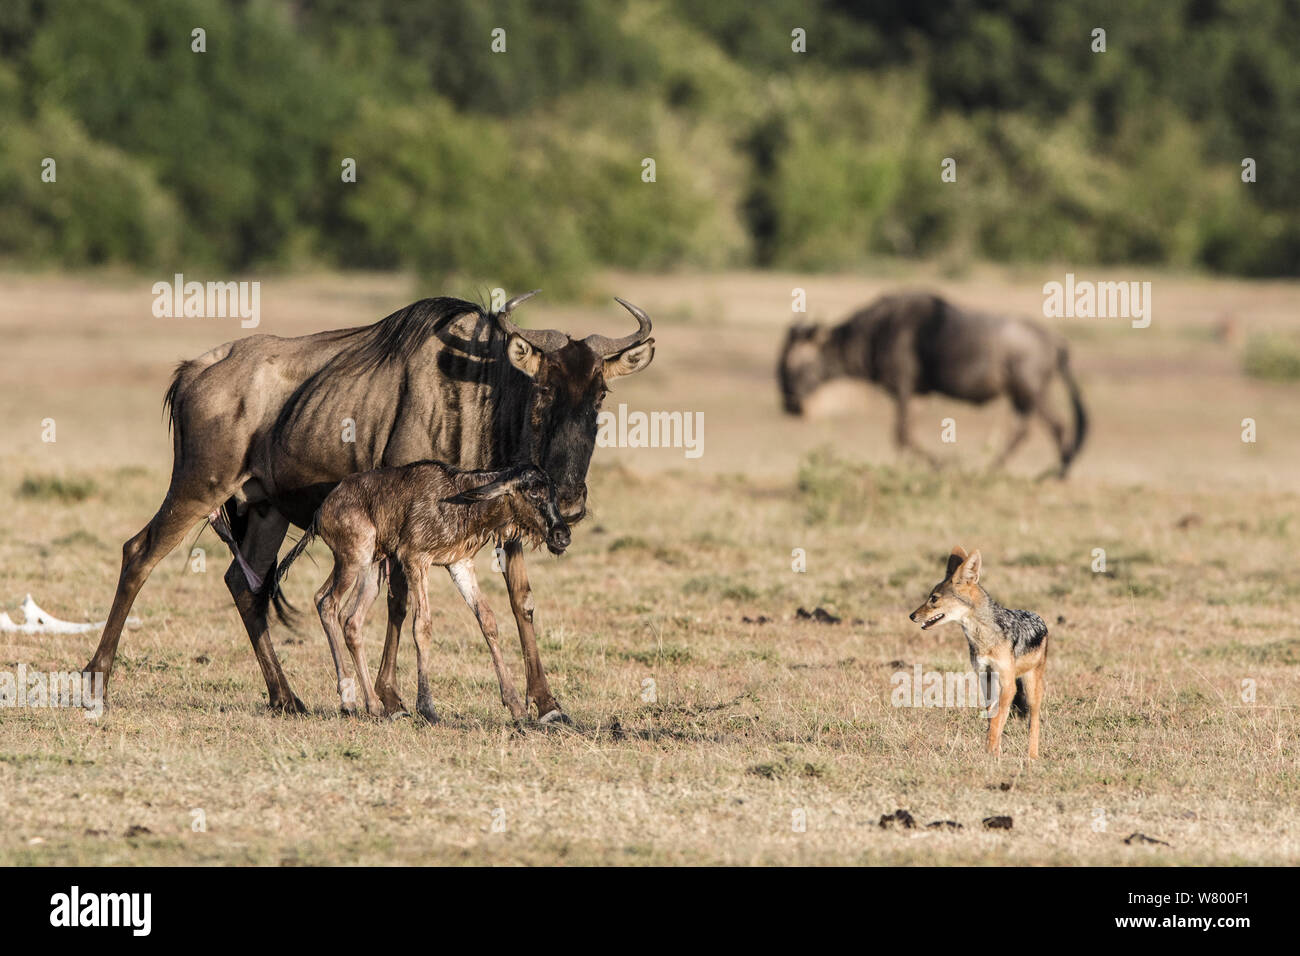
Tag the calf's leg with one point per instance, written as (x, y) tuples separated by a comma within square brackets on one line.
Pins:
[(327, 607), (386, 683), (367, 589), (417, 581)]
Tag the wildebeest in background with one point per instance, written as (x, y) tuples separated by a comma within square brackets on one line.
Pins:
[(264, 427), (914, 344)]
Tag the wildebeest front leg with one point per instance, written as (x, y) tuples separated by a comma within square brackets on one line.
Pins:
[(260, 545), (462, 573), (386, 683), (521, 603), (903, 429)]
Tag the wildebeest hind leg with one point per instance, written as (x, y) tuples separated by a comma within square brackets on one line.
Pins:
[(1018, 434), (259, 545), (140, 555), (386, 682), (1059, 431)]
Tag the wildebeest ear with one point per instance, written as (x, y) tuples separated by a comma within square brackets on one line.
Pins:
[(955, 559), (630, 360), (970, 569), (523, 356)]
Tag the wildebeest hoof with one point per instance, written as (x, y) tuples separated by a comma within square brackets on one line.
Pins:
[(555, 716), (398, 715), (293, 706), (427, 712)]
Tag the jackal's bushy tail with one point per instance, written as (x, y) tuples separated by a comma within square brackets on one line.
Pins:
[(1076, 399)]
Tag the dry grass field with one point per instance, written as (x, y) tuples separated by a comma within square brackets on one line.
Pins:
[(749, 724)]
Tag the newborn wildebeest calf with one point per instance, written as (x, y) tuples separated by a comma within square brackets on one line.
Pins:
[(421, 515)]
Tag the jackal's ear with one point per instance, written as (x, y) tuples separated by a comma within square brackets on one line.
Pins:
[(970, 569), (955, 559)]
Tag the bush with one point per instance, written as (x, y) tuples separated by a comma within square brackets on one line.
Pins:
[(1273, 357)]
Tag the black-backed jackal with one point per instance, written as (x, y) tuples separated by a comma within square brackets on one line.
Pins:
[(1009, 644)]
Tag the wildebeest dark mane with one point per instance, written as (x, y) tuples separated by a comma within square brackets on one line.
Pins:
[(397, 337)]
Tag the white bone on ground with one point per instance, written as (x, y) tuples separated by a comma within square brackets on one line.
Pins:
[(37, 621)]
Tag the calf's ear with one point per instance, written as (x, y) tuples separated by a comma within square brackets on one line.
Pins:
[(523, 356), (630, 360), (483, 492)]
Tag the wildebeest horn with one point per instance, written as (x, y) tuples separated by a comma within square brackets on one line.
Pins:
[(608, 347), (548, 340), (517, 300)]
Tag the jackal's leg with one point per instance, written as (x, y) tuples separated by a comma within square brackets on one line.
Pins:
[(1035, 685), (1006, 671), (386, 683), (521, 602), (466, 582)]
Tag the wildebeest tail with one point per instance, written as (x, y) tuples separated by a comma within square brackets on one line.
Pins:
[(1076, 399), (271, 594)]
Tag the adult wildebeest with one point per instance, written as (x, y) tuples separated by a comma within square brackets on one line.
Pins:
[(264, 427), (914, 344)]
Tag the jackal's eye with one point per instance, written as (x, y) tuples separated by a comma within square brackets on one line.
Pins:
[(934, 599)]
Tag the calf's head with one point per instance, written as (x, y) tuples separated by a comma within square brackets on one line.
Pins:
[(532, 501), (570, 379)]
